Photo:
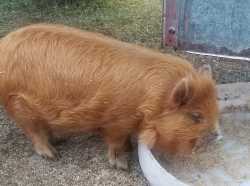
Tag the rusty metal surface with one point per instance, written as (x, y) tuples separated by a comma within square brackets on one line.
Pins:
[(213, 26), (171, 23)]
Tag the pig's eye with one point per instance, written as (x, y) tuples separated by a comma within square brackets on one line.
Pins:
[(196, 117)]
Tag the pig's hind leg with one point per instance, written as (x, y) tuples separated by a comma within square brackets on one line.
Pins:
[(34, 127)]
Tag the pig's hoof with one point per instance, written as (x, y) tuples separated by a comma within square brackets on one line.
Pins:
[(119, 162), (47, 152)]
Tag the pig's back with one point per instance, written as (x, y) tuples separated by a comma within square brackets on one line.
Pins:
[(57, 62)]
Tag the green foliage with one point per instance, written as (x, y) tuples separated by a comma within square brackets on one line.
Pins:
[(137, 21)]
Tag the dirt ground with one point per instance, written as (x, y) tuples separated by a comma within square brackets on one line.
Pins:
[(83, 162)]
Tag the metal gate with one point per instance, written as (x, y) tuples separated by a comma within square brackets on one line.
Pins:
[(215, 27)]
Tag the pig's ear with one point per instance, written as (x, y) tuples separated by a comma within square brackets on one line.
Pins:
[(182, 92), (148, 137), (206, 70)]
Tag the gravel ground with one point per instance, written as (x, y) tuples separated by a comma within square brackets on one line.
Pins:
[(83, 162)]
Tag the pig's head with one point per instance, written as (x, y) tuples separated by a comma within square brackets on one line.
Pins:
[(190, 118)]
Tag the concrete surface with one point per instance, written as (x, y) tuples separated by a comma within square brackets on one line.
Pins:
[(83, 162), (234, 97)]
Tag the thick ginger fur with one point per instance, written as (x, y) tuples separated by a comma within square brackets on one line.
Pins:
[(57, 80)]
